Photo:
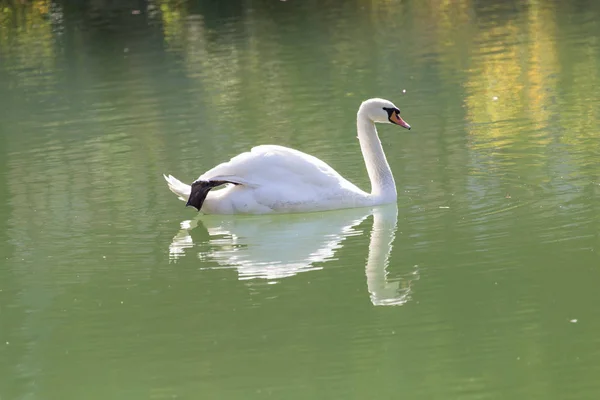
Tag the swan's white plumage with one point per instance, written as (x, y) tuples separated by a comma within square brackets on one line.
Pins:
[(181, 189), (271, 163), (271, 178), (303, 183), (266, 164)]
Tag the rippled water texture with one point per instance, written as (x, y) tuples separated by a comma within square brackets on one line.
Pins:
[(480, 283)]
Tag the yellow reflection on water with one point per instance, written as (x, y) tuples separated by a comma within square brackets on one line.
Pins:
[(495, 84), (582, 112), (511, 82), (26, 41), (542, 66), (172, 18)]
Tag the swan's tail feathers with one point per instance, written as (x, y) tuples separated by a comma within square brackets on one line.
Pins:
[(200, 190), (179, 188)]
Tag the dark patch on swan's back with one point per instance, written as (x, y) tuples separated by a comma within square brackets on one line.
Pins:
[(200, 190)]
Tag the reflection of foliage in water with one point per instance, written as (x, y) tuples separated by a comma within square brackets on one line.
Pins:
[(26, 43), (236, 62)]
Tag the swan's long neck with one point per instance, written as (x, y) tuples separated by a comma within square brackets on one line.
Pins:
[(383, 187)]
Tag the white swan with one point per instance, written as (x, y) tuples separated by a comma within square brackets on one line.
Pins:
[(277, 179)]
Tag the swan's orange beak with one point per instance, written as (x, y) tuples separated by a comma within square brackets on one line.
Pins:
[(396, 119)]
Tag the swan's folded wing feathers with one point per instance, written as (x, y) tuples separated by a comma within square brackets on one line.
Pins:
[(270, 164)]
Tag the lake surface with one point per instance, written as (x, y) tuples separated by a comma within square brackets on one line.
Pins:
[(480, 283)]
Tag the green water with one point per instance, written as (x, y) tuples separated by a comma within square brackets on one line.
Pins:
[(481, 283)]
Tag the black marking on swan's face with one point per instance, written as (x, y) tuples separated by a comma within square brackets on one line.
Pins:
[(394, 117), (391, 111)]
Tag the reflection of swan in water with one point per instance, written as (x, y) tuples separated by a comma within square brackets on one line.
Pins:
[(382, 291), (277, 246)]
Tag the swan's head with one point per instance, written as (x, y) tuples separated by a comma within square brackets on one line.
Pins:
[(382, 111)]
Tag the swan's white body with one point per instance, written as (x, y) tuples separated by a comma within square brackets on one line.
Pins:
[(277, 179)]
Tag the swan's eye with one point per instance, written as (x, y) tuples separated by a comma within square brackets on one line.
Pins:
[(391, 111)]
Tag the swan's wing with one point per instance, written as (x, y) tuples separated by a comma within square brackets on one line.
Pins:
[(269, 164)]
